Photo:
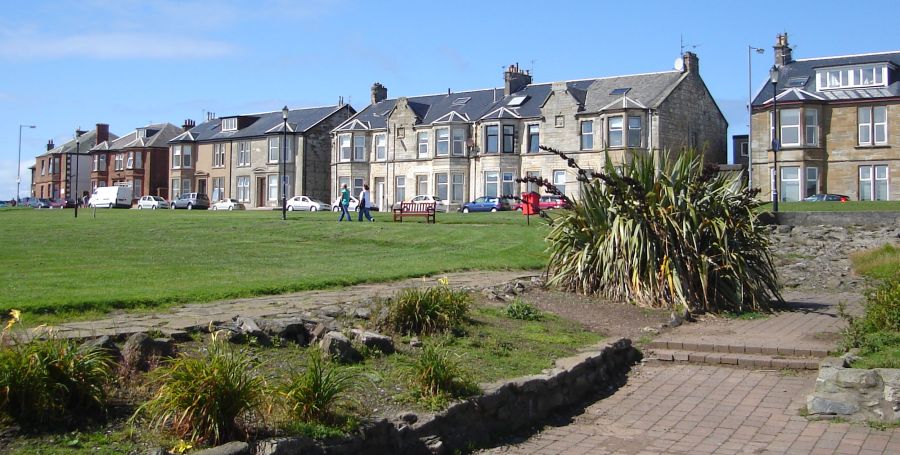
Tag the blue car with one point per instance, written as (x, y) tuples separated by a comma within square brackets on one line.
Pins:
[(485, 204)]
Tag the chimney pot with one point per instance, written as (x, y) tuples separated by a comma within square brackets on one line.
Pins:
[(50, 145), (783, 50), (691, 63), (102, 132), (379, 92), (514, 80)]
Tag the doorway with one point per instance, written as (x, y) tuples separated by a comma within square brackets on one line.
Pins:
[(260, 191), (201, 186), (380, 194)]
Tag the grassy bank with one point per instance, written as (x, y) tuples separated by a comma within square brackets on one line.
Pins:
[(877, 332)]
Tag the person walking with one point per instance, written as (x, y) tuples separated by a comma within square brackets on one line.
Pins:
[(364, 201), (345, 203)]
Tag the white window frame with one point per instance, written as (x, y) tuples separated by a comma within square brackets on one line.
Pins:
[(95, 163), (345, 148), (230, 124), (380, 147), (400, 188), (491, 184), (586, 135), (851, 77), (458, 138), (359, 147), (272, 188), (274, 149), (457, 187), (635, 130), (811, 126), (442, 185), (794, 181), (615, 135), (244, 154), (507, 184), (811, 177), (219, 154), (186, 157), (786, 127), (129, 163), (559, 180), (243, 188), (422, 138), (218, 188), (421, 184), (745, 148), (878, 176), (530, 186), (442, 142)]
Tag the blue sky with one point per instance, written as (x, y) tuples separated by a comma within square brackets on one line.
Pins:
[(128, 63)]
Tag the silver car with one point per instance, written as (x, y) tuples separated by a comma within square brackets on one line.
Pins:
[(152, 202)]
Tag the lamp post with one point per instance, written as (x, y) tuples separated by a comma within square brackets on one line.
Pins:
[(776, 143), (75, 184), (284, 116), (19, 165), (750, 50)]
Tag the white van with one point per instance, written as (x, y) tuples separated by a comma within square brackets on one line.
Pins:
[(111, 196)]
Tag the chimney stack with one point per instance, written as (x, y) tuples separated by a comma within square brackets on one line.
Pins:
[(379, 92), (102, 133), (691, 63), (188, 124), (515, 79), (782, 50), (50, 145)]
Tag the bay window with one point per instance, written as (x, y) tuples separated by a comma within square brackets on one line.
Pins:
[(344, 146), (509, 138), (492, 141), (634, 131), (790, 127), (443, 142), (812, 181), (442, 186), (811, 126), (359, 148), (459, 141), (491, 183), (534, 138), (457, 187), (614, 133), (587, 135), (508, 188), (790, 184)]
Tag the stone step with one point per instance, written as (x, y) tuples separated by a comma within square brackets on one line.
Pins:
[(726, 348), (758, 361)]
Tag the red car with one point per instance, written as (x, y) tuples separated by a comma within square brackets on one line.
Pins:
[(547, 202), (62, 204)]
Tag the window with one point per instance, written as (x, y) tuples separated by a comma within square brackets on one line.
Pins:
[(185, 185), (587, 135), (186, 156), (218, 155), (790, 184), (119, 162), (102, 162), (873, 183), (422, 184), (745, 149), (859, 76), (442, 186), (401, 133), (176, 188), (634, 131), (343, 181), (359, 148), (423, 144), (559, 181), (811, 125), (42, 169), (509, 138), (517, 101), (491, 183), (138, 187), (491, 144), (509, 184), (380, 147), (130, 162), (400, 188), (534, 138), (790, 126), (619, 91), (243, 189), (443, 143), (244, 155), (559, 121), (357, 186), (218, 188), (615, 132), (531, 187), (96, 162), (812, 181), (457, 187), (459, 141), (872, 122), (344, 145), (272, 184), (229, 124), (461, 101), (274, 149)]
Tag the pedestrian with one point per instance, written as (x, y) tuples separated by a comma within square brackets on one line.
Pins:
[(345, 203), (364, 201)]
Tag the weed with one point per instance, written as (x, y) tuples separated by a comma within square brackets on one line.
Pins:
[(518, 309), (437, 377), (313, 395), (430, 310), (882, 426), (745, 315), (877, 332)]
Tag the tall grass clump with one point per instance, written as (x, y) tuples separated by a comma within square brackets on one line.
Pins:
[(877, 332), (663, 232), (206, 399), (437, 378), (314, 395), (49, 382), (523, 311), (429, 310)]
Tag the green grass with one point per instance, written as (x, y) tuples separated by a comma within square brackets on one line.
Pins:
[(53, 263), (879, 263), (850, 206)]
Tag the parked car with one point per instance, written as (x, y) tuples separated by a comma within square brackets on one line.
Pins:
[(228, 204), (191, 201), (152, 202), (306, 203), (428, 198), (485, 204), (60, 203), (827, 197), (41, 203), (546, 202), (336, 205)]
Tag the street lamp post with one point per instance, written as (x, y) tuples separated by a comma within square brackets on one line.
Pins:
[(19, 165), (284, 117), (776, 143), (750, 50), (75, 184)]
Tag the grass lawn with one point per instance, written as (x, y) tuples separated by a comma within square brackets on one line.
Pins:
[(53, 263), (851, 206), (877, 332)]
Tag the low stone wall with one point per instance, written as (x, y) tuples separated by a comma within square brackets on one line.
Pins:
[(832, 218), (502, 409), (855, 394)]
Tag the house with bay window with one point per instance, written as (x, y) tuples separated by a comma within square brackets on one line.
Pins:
[(139, 160), (462, 145), (63, 169), (242, 156), (837, 127)]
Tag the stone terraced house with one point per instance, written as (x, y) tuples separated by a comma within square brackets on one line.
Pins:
[(56, 172), (462, 145), (139, 159), (239, 156), (839, 120)]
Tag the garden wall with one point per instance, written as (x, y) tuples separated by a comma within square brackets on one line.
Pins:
[(855, 394), (832, 218)]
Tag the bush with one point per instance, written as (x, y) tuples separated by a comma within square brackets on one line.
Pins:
[(313, 395), (877, 332), (517, 309), (429, 310), (205, 399), (51, 382), (663, 232), (437, 378)]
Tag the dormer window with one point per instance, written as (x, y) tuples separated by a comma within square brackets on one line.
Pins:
[(229, 124), (141, 132), (852, 77)]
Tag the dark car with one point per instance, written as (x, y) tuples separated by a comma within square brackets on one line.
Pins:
[(41, 203), (191, 201), (485, 204), (546, 202), (827, 198), (62, 204)]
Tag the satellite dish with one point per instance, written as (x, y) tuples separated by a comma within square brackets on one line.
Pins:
[(679, 64)]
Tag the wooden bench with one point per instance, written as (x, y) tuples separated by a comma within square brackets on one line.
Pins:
[(425, 209)]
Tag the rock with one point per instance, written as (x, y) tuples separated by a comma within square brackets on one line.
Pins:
[(408, 418), (285, 446), (414, 342), (374, 340), (290, 329), (157, 451), (675, 320), (363, 313), (141, 352), (231, 448), (339, 347), (104, 342), (818, 405), (318, 331), (650, 330), (247, 328), (537, 281), (331, 311)]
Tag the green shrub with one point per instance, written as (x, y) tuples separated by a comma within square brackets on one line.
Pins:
[(205, 399), (877, 332), (663, 232), (313, 395), (436, 377), (52, 381), (517, 309), (430, 310)]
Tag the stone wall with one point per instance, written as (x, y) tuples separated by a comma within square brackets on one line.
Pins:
[(690, 113), (832, 218), (855, 394)]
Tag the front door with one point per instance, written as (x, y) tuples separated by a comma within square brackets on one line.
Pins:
[(201, 186), (260, 191), (380, 194)]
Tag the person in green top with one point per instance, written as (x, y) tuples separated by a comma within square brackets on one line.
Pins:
[(345, 203)]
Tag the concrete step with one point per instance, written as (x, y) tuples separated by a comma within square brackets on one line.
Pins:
[(757, 361), (729, 348)]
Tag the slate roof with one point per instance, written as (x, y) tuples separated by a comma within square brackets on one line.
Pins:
[(299, 121), (86, 141), (162, 133), (645, 90), (806, 68)]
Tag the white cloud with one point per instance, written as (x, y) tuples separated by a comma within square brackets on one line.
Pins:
[(112, 45)]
